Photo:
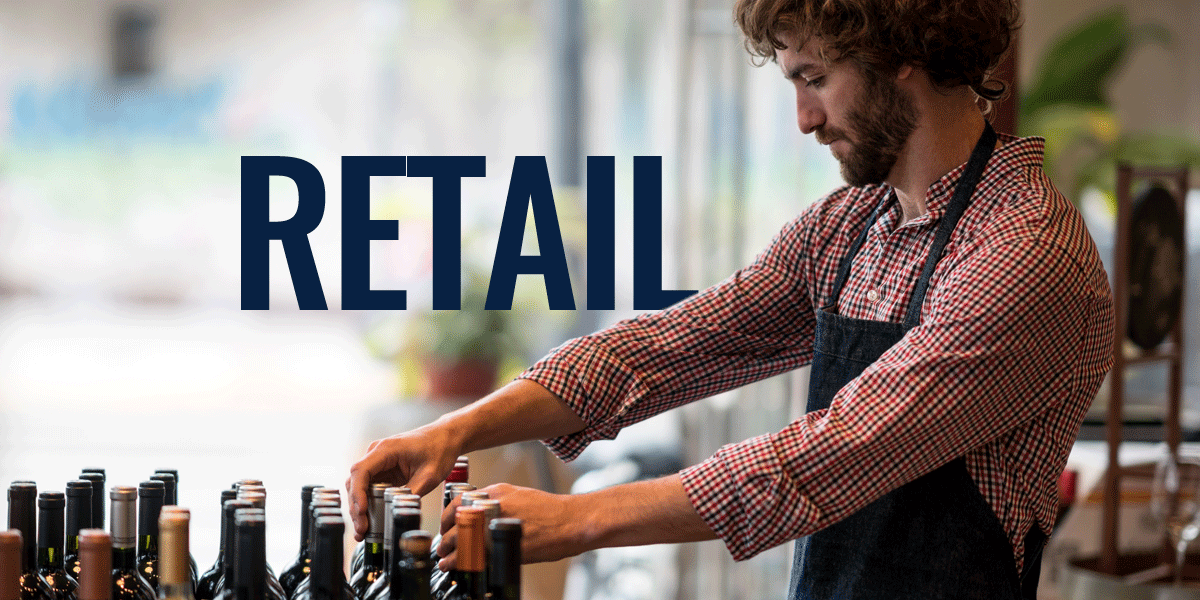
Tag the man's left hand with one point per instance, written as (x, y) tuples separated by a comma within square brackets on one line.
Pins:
[(558, 526)]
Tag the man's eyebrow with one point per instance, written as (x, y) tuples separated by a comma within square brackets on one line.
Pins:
[(800, 70)]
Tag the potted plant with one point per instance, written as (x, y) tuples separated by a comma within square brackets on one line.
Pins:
[(460, 353), (1067, 103)]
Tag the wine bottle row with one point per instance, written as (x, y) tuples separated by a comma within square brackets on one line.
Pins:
[(56, 546)]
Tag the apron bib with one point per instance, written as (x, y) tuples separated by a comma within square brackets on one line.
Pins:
[(935, 537)]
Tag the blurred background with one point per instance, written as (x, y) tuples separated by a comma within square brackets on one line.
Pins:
[(121, 129)]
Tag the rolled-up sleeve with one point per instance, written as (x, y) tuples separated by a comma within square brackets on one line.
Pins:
[(755, 324)]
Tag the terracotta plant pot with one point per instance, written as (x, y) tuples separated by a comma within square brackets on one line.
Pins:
[(467, 378)]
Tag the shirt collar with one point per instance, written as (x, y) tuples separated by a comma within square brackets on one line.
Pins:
[(1015, 153)]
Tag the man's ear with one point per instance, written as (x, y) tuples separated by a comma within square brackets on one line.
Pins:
[(904, 72)]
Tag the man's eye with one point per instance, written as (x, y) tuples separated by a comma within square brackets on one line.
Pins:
[(816, 82)]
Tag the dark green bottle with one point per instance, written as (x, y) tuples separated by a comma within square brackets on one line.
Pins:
[(504, 565), (51, 541), (298, 570), (150, 496), (79, 517), (206, 586), (22, 516)]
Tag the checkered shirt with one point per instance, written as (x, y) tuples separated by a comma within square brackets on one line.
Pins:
[(1016, 335)]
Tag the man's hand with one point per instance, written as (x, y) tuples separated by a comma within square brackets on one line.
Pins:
[(420, 459), (558, 526)]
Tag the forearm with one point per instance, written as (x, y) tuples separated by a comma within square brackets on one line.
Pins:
[(656, 511), (520, 411), (557, 526)]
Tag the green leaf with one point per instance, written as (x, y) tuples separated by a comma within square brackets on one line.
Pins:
[(1077, 67), (1141, 150)]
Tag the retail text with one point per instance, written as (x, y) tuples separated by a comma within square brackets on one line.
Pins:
[(529, 189)]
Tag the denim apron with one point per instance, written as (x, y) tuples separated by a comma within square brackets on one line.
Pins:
[(935, 537)]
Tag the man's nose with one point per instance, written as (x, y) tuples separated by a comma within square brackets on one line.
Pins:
[(808, 117)]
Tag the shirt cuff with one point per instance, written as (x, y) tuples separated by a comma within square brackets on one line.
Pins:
[(746, 498), (568, 373)]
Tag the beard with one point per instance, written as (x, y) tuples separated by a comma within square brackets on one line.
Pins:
[(882, 119)]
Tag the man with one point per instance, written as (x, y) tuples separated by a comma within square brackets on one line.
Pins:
[(950, 300)]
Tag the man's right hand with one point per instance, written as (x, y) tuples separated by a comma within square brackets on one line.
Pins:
[(420, 459)]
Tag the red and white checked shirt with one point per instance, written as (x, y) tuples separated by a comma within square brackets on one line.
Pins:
[(1015, 337)]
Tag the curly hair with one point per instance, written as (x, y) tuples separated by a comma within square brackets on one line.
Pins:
[(957, 42)]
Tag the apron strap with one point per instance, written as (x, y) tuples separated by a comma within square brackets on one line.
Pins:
[(954, 211)]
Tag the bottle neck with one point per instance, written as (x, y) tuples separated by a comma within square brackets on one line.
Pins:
[(224, 540), (411, 579), (124, 558), (21, 516), (504, 572), (251, 574), (148, 546), (79, 516), (305, 525), (373, 555), (328, 578), (50, 539), (229, 554), (176, 591), (473, 584), (148, 511)]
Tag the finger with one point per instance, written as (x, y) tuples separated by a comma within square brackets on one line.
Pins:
[(448, 514), (356, 490), (448, 544), (424, 481), (448, 563)]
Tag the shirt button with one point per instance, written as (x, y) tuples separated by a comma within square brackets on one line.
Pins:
[(873, 296)]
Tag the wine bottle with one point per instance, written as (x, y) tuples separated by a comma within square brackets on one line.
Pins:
[(375, 499), (402, 521), (469, 577), (170, 479), (79, 517), (224, 584), (99, 497), (10, 564), (415, 567), (274, 591), (290, 577), (328, 581), (95, 565), (239, 483), (256, 495), (389, 496), (128, 583), (186, 514), (504, 568), (150, 496), (174, 572), (50, 545), (469, 498), (206, 586), (441, 579), (323, 508), (372, 565), (250, 572), (100, 491), (22, 503)]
